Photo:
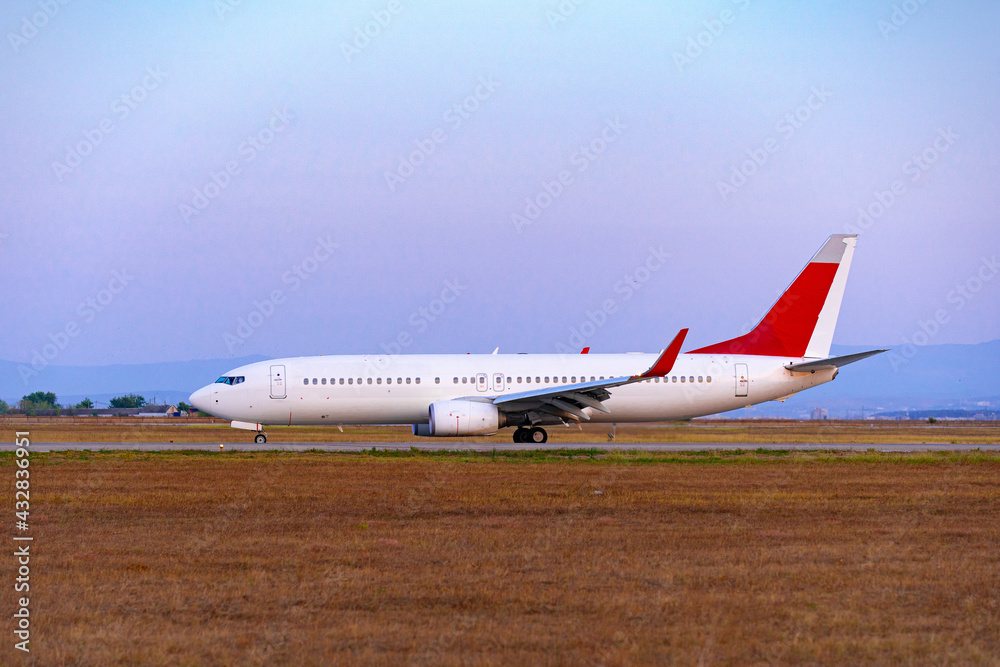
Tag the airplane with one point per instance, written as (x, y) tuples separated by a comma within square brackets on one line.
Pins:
[(456, 395)]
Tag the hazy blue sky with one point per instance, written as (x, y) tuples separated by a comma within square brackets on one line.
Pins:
[(121, 119)]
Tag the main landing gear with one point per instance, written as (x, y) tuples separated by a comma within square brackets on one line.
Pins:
[(534, 435), (260, 438)]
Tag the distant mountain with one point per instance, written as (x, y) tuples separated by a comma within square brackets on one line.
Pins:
[(933, 376), (169, 381)]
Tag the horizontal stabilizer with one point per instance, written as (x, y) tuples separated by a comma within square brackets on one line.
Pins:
[(832, 362)]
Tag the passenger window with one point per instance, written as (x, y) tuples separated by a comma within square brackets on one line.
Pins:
[(378, 381), (417, 380), (519, 380), (456, 380), (708, 379), (528, 380), (399, 380), (437, 380), (305, 380), (691, 379), (465, 380), (564, 378), (341, 381), (699, 378), (539, 379), (388, 380), (314, 380), (359, 380), (323, 381), (349, 380), (682, 378), (369, 380), (546, 378)]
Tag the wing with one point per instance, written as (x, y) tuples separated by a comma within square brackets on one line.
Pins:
[(567, 402)]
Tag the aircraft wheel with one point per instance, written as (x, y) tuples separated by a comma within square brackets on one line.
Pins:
[(538, 435), (260, 439), (520, 435)]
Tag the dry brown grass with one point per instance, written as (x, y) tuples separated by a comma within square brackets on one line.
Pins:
[(84, 429), (149, 558)]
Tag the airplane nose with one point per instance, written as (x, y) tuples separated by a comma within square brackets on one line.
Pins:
[(202, 399)]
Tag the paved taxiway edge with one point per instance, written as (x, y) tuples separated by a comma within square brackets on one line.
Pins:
[(489, 447)]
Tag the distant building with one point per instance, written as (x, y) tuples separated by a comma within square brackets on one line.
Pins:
[(159, 411), (820, 413)]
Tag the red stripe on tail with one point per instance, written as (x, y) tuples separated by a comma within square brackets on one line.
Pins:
[(786, 329)]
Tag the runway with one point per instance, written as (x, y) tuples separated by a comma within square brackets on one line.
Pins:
[(489, 447)]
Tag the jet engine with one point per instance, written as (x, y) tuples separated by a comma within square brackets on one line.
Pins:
[(451, 418)]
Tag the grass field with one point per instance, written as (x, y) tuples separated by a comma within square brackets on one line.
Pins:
[(88, 429), (512, 558)]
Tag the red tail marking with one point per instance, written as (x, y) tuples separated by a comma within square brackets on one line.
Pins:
[(786, 329)]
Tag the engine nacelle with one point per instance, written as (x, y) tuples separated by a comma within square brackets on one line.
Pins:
[(452, 418)]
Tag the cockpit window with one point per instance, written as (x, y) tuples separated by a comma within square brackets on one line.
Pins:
[(230, 379)]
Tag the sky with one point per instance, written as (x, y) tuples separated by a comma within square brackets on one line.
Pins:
[(213, 179)]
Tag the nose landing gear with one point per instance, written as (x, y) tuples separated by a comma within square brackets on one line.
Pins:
[(534, 435), (260, 438)]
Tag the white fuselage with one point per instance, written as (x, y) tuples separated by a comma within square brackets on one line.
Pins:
[(388, 389)]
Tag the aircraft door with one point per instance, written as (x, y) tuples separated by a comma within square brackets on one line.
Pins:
[(742, 380), (481, 383), (498, 382), (278, 381)]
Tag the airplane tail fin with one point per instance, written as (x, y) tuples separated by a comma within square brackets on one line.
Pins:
[(802, 320)]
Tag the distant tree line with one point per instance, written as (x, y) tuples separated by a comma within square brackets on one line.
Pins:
[(47, 400)]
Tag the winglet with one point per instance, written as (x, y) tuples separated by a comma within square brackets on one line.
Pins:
[(667, 359), (585, 350)]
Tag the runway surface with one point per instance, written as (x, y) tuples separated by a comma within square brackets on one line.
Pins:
[(489, 447)]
